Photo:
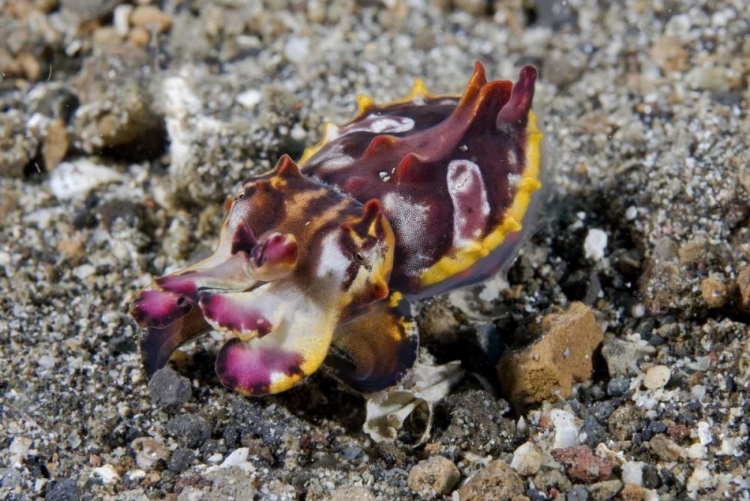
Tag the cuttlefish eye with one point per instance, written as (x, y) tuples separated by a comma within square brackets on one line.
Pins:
[(359, 256)]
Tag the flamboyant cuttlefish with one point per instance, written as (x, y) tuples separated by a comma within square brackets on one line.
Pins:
[(316, 263)]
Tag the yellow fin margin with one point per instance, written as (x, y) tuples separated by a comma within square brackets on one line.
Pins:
[(330, 131)]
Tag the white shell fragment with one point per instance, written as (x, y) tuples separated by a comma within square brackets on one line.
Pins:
[(595, 244), (71, 180), (657, 377), (426, 385)]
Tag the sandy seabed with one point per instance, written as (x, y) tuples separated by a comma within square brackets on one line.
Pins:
[(123, 126)]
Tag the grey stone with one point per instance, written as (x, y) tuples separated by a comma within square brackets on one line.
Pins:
[(651, 478), (601, 411), (168, 389), (10, 478), (618, 387), (594, 431), (189, 430), (578, 493), (64, 490), (181, 460)]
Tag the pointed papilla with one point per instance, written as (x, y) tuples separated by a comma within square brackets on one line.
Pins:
[(286, 168), (355, 183), (380, 144), (478, 80), (372, 210), (516, 111), (492, 98), (411, 169), (364, 103)]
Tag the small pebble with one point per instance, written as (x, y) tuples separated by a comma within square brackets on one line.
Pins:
[(566, 429), (617, 387), (297, 49), (593, 433), (151, 18), (190, 430), (632, 472), (434, 476), (139, 36), (181, 460), (604, 491), (105, 474), (650, 476), (657, 377), (149, 452), (250, 98), (578, 493), (168, 389), (665, 448), (496, 481), (527, 459), (121, 19), (63, 490), (714, 292), (582, 465), (595, 244), (602, 410)]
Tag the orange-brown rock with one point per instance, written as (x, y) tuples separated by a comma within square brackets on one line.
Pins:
[(561, 357)]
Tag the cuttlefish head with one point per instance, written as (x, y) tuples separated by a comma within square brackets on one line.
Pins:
[(277, 297)]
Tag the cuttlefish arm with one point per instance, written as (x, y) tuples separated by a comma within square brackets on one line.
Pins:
[(158, 343), (375, 350), (170, 310), (282, 336)]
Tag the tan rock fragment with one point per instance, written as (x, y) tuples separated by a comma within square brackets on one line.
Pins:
[(349, 493), (743, 286), (433, 477), (657, 377), (55, 144), (694, 251), (139, 36), (151, 17), (660, 285), (30, 65), (497, 482), (665, 449), (669, 54), (632, 492), (714, 292), (560, 358)]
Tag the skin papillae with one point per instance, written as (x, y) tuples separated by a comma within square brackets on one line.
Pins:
[(316, 265)]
